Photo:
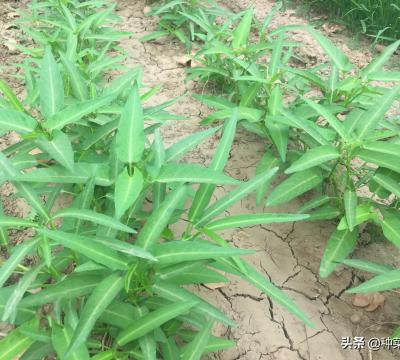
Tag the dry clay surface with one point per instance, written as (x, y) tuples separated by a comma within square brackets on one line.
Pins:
[(288, 254)]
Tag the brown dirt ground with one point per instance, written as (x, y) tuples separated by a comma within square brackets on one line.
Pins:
[(288, 254)]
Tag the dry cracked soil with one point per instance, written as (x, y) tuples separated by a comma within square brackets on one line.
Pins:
[(288, 254)]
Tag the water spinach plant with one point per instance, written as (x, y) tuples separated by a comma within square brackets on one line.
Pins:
[(118, 226), (326, 128)]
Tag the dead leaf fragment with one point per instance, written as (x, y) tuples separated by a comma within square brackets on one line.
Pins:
[(370, 302), (216, 286)]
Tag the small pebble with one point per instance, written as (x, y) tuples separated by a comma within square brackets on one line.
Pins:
[(355, 318)]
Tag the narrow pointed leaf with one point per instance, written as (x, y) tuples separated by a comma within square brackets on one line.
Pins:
[(74, 113), (93, 250), (59, 148), (92, 216), (130, 136), (13, 345), (350, 207), (388, 183), (13, 120), (387, 281), (367, 266), (330, 118), (339, 246), (381, 60), (334, 53), (205, 191), (19, 253), (127, 190), (156, 223), (61, 338), (297, 184), (239, 221), (176, 151), (177, 294), (313, 157), (241, 33), (193, 173), (152, 321), (391, 226), (51, 86), (102, 296), (376, 113), (385, 160), (197, 347), (234, 196), (178, 251), (79, 87)]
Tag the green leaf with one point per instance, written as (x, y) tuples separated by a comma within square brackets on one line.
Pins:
[(18, 254), (364, 212), (79, 88), (59, 148), (92, 216), (259, 281), (158, 220), (51, 86), (73, 286), (339, 246), (335, 54), (197, 347), (350, 207), (152, 321), (330, 118), (388, 183), (275, 61), (127, 190), (234, 196), (381, 60), (177, 150), (384, 160), (387, 281), (205, 191), (280, 136), (102, 296), (61, 338), (15, 222), (314, 203), (170, 350), (75, 112), (177, 251), (89, 248), (193, 173), (240, 221), (124, 247), (241, 33), (305, 125), (367, 266), (82, 173), (13, 120), (12, 98), (391, 226), (177, 294), (295, 185), (384, 147), (326, 212), (376, 112), (13, 345), (19, 291), (313, 157), (130, 137)]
